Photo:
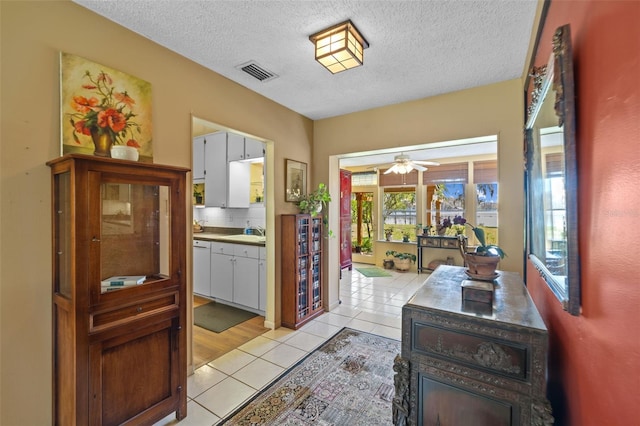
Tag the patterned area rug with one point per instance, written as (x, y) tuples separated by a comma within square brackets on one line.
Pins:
[(347, 381)]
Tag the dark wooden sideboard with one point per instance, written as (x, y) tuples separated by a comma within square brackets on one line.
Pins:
[(434, 242), (471, 363)]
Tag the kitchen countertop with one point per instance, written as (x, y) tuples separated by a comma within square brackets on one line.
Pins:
[(253, 240)]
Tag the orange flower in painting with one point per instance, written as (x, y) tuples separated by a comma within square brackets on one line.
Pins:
[(103, 77), (104, 111), (125, 99), (113, 119), (81, 127), (84, 105)]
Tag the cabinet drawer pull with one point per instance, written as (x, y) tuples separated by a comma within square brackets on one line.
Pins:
[(139, 309)]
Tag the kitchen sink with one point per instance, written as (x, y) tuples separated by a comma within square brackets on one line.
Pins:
[(243, 238)]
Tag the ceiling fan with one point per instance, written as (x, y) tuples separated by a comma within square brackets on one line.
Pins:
[(403, 164)]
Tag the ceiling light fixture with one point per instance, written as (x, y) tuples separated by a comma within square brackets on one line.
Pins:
[(340, 47), (403, 164)]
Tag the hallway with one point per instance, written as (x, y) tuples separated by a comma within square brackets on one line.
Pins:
[(373, 305)]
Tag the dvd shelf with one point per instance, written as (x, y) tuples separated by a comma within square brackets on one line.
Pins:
[(302, 295)]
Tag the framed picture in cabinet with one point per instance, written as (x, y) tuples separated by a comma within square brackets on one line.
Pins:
[(295, 180)]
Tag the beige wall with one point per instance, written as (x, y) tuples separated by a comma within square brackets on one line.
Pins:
[(488, 110), (33, 33)]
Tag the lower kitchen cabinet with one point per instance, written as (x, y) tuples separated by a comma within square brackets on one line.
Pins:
[(246, 285), (202, 267), (262, 277), (235, 274), (222, 271)]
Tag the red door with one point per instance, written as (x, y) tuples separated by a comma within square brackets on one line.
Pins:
[(345, 219)]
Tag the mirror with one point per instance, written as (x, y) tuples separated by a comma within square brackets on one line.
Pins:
[(551, 168)]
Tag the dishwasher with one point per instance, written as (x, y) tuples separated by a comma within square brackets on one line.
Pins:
[(202, 268)]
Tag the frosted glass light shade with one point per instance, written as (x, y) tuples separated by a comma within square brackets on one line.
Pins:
[(340, 47)]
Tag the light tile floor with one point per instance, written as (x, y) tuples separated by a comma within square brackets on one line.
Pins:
[(373, 305)]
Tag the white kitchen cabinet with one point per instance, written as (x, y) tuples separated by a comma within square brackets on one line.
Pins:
[(198, 159), (262, 278), (253, 148), (235, 147), (235, 274), (215, 162), (246, 286), (210, 167), (241, 148), (222, 271), (215, 188), (202, 267), (239, 184)]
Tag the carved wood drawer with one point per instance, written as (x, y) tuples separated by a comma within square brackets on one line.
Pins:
[(476, 351), (432, 242), (139, 309), (450, 243)]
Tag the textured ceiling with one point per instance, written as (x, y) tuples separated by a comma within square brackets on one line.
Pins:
[(417, 49)]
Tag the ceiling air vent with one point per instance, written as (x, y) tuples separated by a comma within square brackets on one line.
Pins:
[(256, 71)]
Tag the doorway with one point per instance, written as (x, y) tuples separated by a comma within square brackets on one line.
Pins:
[(471, 162), (363, 230), (207, 345)]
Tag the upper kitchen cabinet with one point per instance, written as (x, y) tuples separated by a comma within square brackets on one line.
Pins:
[(222, 161), (242, 148), (198, 159), (215, 188)]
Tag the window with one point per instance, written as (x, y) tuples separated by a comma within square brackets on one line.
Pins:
[(362, 221), (555, 213), (485, 178), (445, 192), (399, 212)]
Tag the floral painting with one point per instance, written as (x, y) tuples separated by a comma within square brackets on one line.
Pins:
[(101, 107)]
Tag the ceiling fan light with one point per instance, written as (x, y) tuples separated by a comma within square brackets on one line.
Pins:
[(340, 47)]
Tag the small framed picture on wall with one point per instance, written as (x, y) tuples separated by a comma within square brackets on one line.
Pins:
[(295, 180)]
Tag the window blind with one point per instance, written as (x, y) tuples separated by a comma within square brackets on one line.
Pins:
[(485, 171), (453, 172), (554, 164)]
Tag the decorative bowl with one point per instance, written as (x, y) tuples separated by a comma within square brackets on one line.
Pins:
[(124, 152)]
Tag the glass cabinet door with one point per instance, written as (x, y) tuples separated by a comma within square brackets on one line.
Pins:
[(303, 267), (131, 236)]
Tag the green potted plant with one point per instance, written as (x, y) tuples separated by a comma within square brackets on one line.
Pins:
[(483, 261), (197, 195), (402, 261), (315, 201)]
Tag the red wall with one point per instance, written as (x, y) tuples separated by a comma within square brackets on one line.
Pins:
[(594, 359)]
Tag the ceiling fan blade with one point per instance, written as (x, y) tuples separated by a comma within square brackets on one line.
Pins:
[(426, 163), (392, 169), (418, 167)]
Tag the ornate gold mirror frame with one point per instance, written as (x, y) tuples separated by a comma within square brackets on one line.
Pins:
[(552, 174)]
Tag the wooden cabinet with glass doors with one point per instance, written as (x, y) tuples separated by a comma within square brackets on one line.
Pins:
[(119, 299), (302, 294)]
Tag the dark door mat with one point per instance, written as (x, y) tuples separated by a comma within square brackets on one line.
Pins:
[(217, 317)]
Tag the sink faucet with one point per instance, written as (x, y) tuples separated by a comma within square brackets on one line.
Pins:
[(259, 229)]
